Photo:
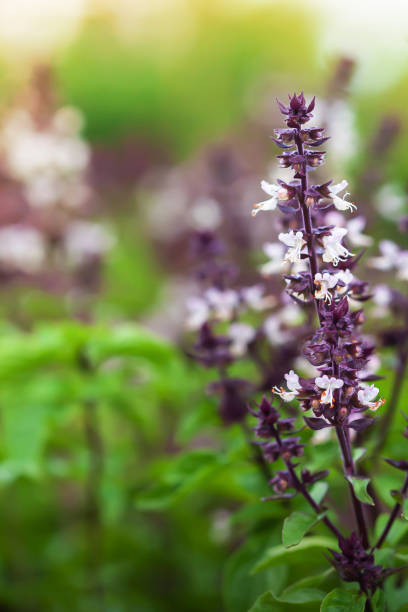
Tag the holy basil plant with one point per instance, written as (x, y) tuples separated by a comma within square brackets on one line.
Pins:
[(313, 375)]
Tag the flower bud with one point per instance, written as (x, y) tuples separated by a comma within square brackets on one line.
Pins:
[(343, 412)]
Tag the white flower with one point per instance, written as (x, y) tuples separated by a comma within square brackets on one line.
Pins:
[(389, 254), (334, 218), (276, 192), (241, 335), (292, 383), (346, 276), (205, 214), (367, 394), (334, 251), (222, 303), (295, 242), (390, 201), (291, 314), (324, 282), (85, 239), (49, 161), (273, 330), (254, 297), (329, 385), (275, 252), (199, 312), (382, 297), (341, 203), (354, 228), (22, 248)]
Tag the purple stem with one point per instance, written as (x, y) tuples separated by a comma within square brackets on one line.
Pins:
[(344, 442), (300, 487)]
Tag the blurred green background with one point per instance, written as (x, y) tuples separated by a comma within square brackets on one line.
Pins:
[(99, 509)]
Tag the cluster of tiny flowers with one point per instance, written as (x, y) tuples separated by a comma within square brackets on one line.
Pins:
[(339, 394), (318, 264), (232, 322), (354, 564), (45, 235), (279, 442)]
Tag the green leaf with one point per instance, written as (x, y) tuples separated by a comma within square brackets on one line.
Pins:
[(358, 453), (378, 601), (360, 485), (298, 593), (239, 589), (186, 473), (318, 491), (279, 554), (340, 600), (267, 601), (296, 526)]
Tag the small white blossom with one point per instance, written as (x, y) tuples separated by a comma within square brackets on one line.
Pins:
[(276, 192), (334, 250), (293, 385), (390, 201), (329, 385), (291, 314), (324, 282), (295, 242), (199, 312), (341, 203), (205, 214), (222, 303), (254, 298), (273, 330), (241, 334), (389, 255), (275, 252), (354, 228), (85, 239), (22, 248), (49, 161), (382, 297), (346, 277), (366, 396)]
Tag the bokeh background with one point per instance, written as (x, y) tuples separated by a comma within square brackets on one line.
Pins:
[(125, 126)]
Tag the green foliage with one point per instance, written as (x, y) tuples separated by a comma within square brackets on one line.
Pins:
[(295, 554), (360, 485), (342, 600), (182, 94), (297, 525)]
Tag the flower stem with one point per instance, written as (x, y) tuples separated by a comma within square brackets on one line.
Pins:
[(300, 487), (344, 441), (349, 470)]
